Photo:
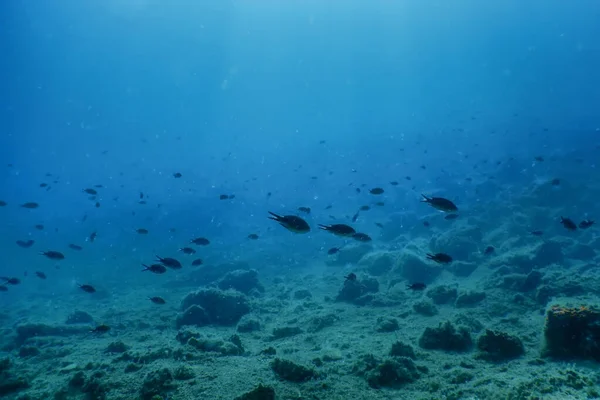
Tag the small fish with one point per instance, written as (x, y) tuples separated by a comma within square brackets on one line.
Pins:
[(200, 241), (187, 250), (30, 205), (538, 158), (3, 203), (338, 229), (157, 300), (226, 197), (416, 286), (440, 258), (394, 183), (75, 247), (53, 255), (305, 210), (450, 217), (568, 224), (40, 275), (328, 207), (291, 222), (489, 250), (87, 288), (350, 277), (11, 281), (376, 191), (334, 250), (197, 262), (100, 329), (364, 208), (25, 243), (361, 237), (142, 231), (93, 237), (426, 224), (90, 191), (155, 268), (169, 262), (555, 182), (253, 236), (379, 224), (177, 175), (43, 185), (585, 224), (357, 190), (440, 203), (380, 204), (141, 195), (97, 205), (98, 186), (39, 227), (355, 216), (537, 233), (408, 178), (3, 288)]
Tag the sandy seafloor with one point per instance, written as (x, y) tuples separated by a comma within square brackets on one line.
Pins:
[(334, 339)]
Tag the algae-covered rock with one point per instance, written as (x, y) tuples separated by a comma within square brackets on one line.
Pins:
[(79, 317), (353, 289), (193, 315), (379, 263), (572, 332), (387, 324), (414, 269), (208, 344), (290, 371), (446, 337), (499, 346), (400, 349), (470, 299), (248, 324), (222, 307), (393, 373), (547, 253), (258, 393), (117, 347), (244, 281), (442, 294), (321, 322), (285, 332), (462, 269), (426, 308), (157, 383)]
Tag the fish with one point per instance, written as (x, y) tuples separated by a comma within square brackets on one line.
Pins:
[(253, 236), (338, 229), (197, 262), (585, 224), (305, 210), (555, 182), (75, 247), (416, 286), (361, 237), (157, 300), (30, 205), (426, 224), (568, 224), (350, 277), (379, 224), (53, 255), (40, 275), (538, 158), (334, 250), (169, 262), (87, 288), (25, 243), (291, 222), (155, 268), (440, 203), (440, 258), (394, 183), (100, 329), (200, 241), (3, 203), (364, 208), (187, 250), (226, 197), (11, 281), (177, 175), (39, 227), (537, 233), (355, 216), (90, 191), (377, 191), (93, 237), (142, 231)]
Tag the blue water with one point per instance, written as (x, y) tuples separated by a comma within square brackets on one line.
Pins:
[(302, 100)]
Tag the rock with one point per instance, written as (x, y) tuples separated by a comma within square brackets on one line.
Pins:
[(259, 393), (446, 337), (469, 299), (426, 308), (208, 344), (547, 253), (292, 372), (183, 373), (241, 280), (302, 294), (321, 322), (79, 317), (532, 281), (354, 289), (414, 269), (157, 383), (462, 242), (222, 308), (29, 351), (400, 349), (393, 373), (193, 315), (499, 346), (442, 294), (350, 255), (248, 324), (572, 332), (379, 263), (462, 269), (117, 347), (285, 332), (387, 324), (581, 252)]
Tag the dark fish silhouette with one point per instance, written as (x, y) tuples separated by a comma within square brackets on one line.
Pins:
[(11, 281), (25, 243), (169, 262), (75, 247), (350, 277), (90, 191), (440, 258), (100, 329), (253, 236), (376, 191), (440, 203), (155, 268), (30, 205), (537, 233), (489, 250), (187, 250), (40, 275), (338, 229), (416, 286), (585, 224), (87, 288), (142, 231), (361, 237), (305, 210), (177, 175), (157, 300), (291, 222), (53, 255), (197, 262), (200, 241), (568, 224)]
